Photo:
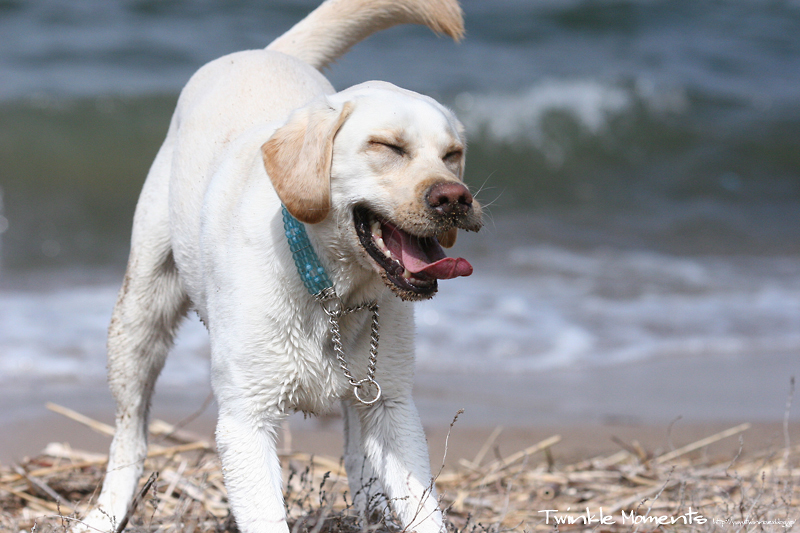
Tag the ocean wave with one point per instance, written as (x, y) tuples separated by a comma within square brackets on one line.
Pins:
[(558, 308), (589, 105), (60, 334), (73, 168), (532, 309)]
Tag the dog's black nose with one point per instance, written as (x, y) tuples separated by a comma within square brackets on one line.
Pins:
[(450, 198)]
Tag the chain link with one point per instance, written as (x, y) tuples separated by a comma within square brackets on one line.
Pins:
[(335, 310), (316, 280)]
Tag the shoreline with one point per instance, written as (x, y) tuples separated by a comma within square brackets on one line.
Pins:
[(449, 444), (654, 402)]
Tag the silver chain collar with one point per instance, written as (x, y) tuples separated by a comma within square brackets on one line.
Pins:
[(335, 309)]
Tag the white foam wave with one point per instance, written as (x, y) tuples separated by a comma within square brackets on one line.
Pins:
[(508, 116), (62, 335), (557, 308), (591, 104), (548, 307)]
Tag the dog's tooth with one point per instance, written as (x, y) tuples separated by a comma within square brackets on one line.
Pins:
[(407, 274), (376, 228), (382, 247)]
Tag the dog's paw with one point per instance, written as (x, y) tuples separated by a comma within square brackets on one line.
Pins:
[(97, 521)]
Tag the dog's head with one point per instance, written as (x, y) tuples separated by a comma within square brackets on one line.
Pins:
[(390, 162)]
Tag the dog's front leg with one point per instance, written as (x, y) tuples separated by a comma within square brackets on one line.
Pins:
[(367, 490), (396, 451), (252, 470)]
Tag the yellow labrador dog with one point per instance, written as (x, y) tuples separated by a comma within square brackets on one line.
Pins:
[(267, 182)]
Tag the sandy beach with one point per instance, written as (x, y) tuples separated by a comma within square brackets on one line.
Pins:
[(636, 412), (580, 427)]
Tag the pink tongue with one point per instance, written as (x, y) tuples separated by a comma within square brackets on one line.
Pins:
[(432, 261), (446, 268)]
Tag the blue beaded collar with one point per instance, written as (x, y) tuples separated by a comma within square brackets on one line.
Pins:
[(305, 258)]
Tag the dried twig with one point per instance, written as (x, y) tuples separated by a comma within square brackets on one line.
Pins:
[(702, 443)]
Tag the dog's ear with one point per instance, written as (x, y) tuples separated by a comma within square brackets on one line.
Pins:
[(448, 238), (298, 159)]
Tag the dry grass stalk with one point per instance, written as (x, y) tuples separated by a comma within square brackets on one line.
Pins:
[(633, 489)]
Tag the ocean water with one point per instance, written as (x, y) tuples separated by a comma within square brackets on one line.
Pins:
[(640, 160)]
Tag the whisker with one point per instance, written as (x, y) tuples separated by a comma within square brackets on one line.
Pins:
[(483, 185), (487, 205)]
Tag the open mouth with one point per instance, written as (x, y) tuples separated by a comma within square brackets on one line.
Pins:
[(411, 265)]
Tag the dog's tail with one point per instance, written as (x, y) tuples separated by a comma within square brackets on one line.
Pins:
[(329, 31)]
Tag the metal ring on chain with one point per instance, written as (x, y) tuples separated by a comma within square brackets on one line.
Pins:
[(357, 387)]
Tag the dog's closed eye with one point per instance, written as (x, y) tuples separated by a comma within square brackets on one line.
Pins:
[(453, 160), (453, 156), (392, 146)]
